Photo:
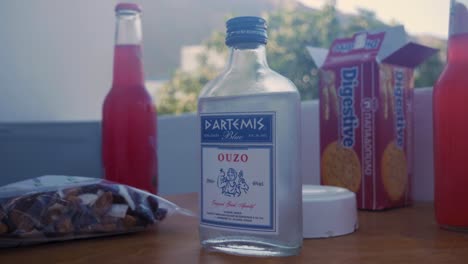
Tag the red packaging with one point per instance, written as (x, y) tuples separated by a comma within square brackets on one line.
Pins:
[(366, 115)]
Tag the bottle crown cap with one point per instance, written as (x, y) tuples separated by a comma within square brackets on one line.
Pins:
[(127, 6)]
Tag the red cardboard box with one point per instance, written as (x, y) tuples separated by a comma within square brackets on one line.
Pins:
[(366, 115)]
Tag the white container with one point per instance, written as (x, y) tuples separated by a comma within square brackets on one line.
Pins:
[(328, 211)]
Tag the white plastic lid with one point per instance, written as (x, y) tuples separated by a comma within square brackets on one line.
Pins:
[(328, 211)]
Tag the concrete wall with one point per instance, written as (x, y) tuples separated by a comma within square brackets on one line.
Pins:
[(55, 59), (32, 149)]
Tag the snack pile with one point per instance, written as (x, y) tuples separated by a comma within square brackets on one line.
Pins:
[(52, 208)]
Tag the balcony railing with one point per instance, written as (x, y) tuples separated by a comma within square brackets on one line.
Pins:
[(33, 149)]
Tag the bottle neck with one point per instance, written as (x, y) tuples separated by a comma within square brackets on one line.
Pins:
[(457, 51), (458, 31), (128, 68), (247, 57), (128, 28)]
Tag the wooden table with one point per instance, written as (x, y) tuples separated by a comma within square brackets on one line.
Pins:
[(407, 235)]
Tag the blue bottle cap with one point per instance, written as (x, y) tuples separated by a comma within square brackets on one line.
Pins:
[(246, 29)]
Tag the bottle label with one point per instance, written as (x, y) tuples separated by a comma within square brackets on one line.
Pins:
[(238, 172)]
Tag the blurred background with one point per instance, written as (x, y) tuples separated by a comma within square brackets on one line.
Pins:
[(56, 55), (56, 60)]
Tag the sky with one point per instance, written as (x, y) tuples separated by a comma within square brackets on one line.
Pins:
[(418, 16)]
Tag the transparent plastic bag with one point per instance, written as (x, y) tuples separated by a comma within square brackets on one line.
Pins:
[(55, 208)]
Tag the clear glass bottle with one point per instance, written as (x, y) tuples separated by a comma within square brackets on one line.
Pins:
[(251, 187)]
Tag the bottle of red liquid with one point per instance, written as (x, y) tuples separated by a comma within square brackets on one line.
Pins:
[(129, 115), (451, 126)]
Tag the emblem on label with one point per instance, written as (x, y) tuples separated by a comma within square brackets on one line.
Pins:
[(232, 183)]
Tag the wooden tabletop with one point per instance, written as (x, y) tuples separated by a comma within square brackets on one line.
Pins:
[(406, 235)]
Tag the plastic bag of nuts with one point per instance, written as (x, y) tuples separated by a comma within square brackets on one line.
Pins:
[(52, 208)]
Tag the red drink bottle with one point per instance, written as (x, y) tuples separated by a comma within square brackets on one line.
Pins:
[(451, 126), (129, 115)]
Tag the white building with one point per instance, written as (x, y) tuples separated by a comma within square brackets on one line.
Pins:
[(190, 58)]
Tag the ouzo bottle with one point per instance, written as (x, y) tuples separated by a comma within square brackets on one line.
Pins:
[(249, 117)]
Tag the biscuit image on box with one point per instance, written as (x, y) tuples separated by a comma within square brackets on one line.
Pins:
[(341, 167), (394, 171)]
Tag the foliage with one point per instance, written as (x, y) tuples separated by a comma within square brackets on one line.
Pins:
[(426, 75), (180, 94), (289, 32)]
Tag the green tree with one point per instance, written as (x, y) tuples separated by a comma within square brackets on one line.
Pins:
[(364, 20), (289, 32), (180, 94), (427, 73)]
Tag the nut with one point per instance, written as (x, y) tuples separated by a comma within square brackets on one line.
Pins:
[(104, 228), (153, 203), (109, 220), (103, 204), (64, 226), (160, 214), (21, 220), (3, 228), (145, 214), (74, 200), (2, 214), (129, 221), (54, 213), (71, 192)]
